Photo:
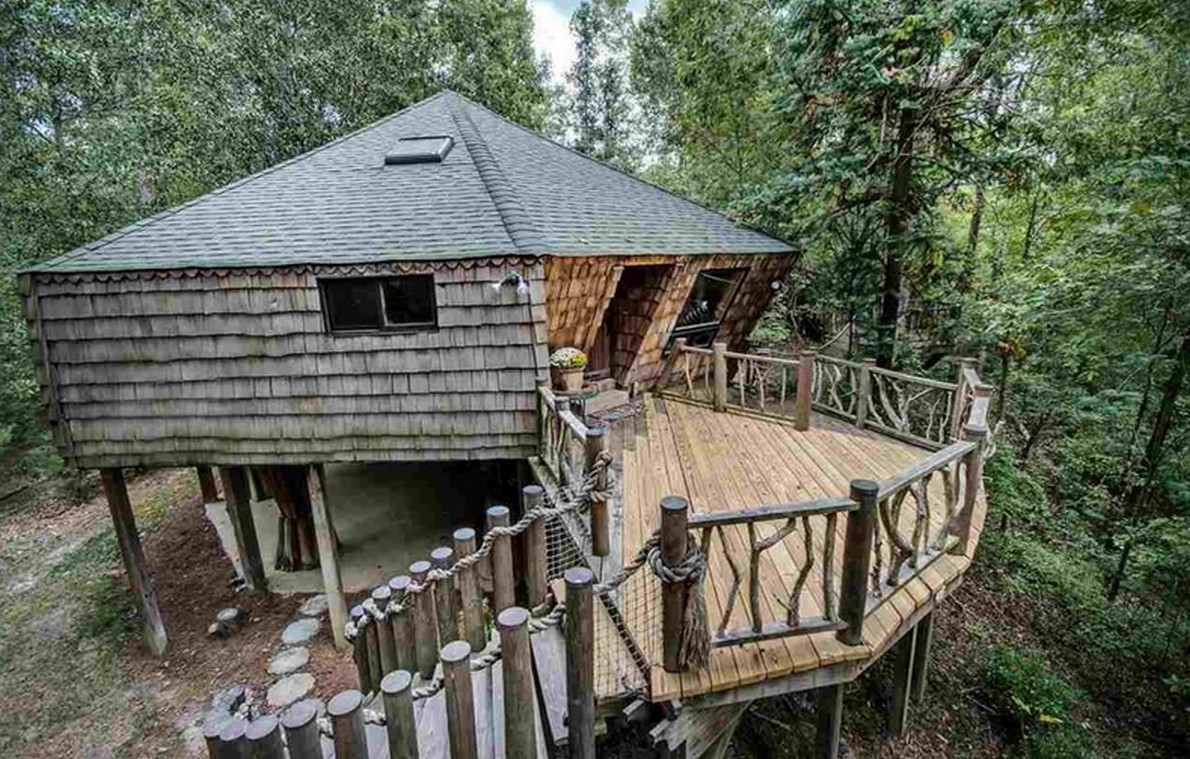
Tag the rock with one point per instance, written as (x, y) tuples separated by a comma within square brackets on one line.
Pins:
[(289, 660), (315, 606), (289, 690), (227, 622), (228, 700), (300, 631)]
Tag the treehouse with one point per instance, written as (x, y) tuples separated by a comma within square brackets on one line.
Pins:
[(696, 528)]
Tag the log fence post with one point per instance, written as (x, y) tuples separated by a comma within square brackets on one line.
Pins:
[(719, 371), (805, 390), (425, 627), (359, 650), (460, 705), (857, 561), (347, 725), (300, 722), (399, 722), (233, 743), (382, 596), (503, 578), (444, 595), (264, 738), (596, 443), (536, 583), (520, 704), (404, 637), (580, 663), (674, 513), (469, 593), (864, 399)]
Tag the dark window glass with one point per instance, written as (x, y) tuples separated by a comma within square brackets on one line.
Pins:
[(352, 303), (710, 297), (378, 303), (409, 300)]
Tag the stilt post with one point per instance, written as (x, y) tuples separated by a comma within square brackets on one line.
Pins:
[(347, 725), (719, 370), (600, 525), (580, 663), (898, 716), (398, 711), (359, 652), (535, 553), (460, 706), (503, 579), (425, 626), (830, 721), (468, 583), (301, 730), (805, 390), (206, 484), (239, 511), (264, 738), (139, 576), (328, 554), (921, 657), (864, 395), (404, 637), (520, 704), (674, 512), (382, 596), (857, 561), (444, 594)]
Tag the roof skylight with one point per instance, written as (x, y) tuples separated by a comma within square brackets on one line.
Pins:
[(428, 149)]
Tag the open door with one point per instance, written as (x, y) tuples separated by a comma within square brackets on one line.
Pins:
[(626, 321)]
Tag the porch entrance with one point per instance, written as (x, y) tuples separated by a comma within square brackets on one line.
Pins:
[(625, 322)]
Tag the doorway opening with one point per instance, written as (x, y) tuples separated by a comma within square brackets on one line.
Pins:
[(625, 322)]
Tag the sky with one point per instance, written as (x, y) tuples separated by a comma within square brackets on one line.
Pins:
[(551, 32)]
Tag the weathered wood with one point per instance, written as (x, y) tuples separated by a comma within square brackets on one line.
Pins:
[(830, 721), (532, 497), (503, 579), (140, 577), (372, 641), (444, 595), (670, 364), (300, 722), (264, 738), (674, 510), (550, 669), (381, 596), (520, 733), (921, 657), (805, 390), (213, 724), (857, 561), (972, 482), (404, 637), (580, 663), (922, 467), (460, 706), (914, 379), (772, 630), (864, 394), (425, 625), (719, 365), (206, 484), (232, 741), (832, 505), (469, 595), (347, 725), (898, 716), (399, 723), (595, 445), (328, 553), (239, 513), (359, 651)]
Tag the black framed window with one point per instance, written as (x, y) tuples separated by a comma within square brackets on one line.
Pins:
[(706, 305), (367, 304)]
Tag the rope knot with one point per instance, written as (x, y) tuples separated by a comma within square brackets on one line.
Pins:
[(694, 650)]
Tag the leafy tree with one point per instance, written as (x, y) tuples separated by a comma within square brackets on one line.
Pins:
[(601, 104)]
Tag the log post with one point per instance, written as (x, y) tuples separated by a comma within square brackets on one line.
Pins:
[(399, 723), (328, 553), (206, 484), (444, 594), (300, 722), (347, 725), (532, 497), (468, 582), (972, 482), (857, 561), (503, 579), (959, 400), (830, 721), (864, 394), (580, 663), (239, 511), (382, 596), (921, 657), (359, 652), (425, 627), (140, 577), (233, 744), (596, 443), (719, 366), (372, 640), (404, 637), (460, 705), (213, 724), (520, 725), (898, 716), (805, 390), (674, 512), (264, 738)]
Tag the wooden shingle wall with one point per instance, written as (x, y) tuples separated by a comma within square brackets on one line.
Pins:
[(237, 367)]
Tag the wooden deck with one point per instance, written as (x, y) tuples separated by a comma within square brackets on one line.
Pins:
[(734, 460)]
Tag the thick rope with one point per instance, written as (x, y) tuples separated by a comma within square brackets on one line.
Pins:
[(694, 647)]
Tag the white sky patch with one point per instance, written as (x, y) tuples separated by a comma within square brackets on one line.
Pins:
[(552, 38)]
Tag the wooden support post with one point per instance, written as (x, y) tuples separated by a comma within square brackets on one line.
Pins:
[(140, 577), (972, 482), (460, 705), (898, 716), (503, 579), (719, 366), (238, 499), (921, 656), (300, 722), (347, 725), (372, 639), (520, 700), (600, 525), (264, 738), (959, 400), (805, 390), (233, 743), (382, 596), (213, 724), (830, 721), (328, 553), (399, 723), (674, 512), (580, 663), (468, 582), (206, 484), (359, 651), (404, 637), (425, 626), (535, 553), (864, 394), (857, 561), (444, 594)]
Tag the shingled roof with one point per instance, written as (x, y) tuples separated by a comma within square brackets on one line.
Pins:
[(501, 190)]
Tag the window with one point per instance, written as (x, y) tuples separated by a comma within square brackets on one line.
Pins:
[(707, 304), (369, 304)]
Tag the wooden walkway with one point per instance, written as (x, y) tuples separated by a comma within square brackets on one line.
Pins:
[(734, 460)]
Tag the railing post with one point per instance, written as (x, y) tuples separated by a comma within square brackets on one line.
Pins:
[(674, 512), (469, 594), (857, 561), (960, 398), (503, 579), (404, 637), (425, 627), (460, 704), (805, 390), (398, 715), (864, 399), (301, 730), (580, 663), (520, 727), (444, 595), (347, 725), (972, 481), (535, 549), (719, 362), (600, 529), (381, 596)]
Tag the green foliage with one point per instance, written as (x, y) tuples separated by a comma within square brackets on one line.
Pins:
[(1039, 703)]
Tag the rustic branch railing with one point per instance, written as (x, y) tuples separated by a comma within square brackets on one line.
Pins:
[(563, 436)]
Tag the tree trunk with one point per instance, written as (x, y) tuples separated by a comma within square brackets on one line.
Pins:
[(896, 226)]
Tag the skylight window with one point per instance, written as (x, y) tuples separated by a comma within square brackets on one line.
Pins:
[(430, 149)]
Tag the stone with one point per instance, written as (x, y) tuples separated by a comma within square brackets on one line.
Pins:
[(227, 622), (289, 660), (315, 606), (289, 690), (300, 631)]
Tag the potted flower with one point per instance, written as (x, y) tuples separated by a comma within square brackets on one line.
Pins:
[(567, 364)]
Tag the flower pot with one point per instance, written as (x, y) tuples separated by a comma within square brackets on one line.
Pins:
[(568, 380)]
